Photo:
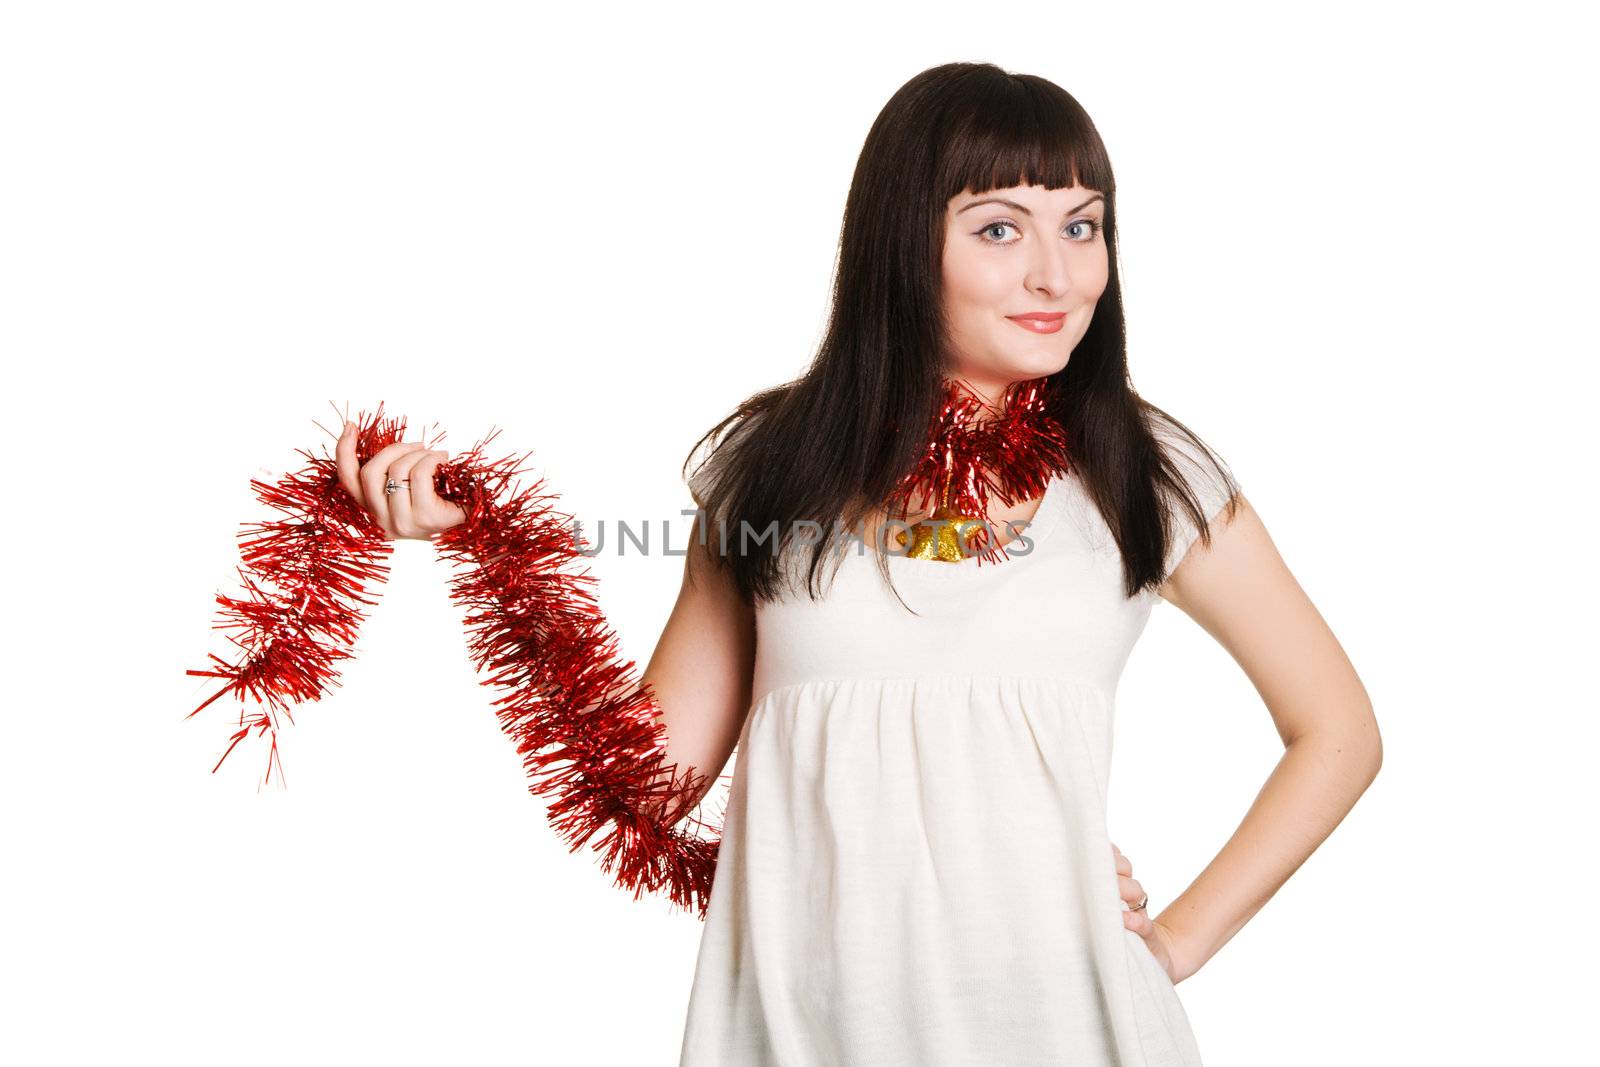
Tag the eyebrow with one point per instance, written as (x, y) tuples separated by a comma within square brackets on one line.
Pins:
[(1013, 205)]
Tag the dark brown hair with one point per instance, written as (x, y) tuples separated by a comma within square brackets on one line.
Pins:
[(812, 449)]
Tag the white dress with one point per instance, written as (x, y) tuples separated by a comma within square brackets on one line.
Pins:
[(915, 865)]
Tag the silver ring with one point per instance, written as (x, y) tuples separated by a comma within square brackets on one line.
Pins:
[(391, 486), (1143, 902)]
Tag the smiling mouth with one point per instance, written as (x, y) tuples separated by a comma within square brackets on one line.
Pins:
[(1039, 322)]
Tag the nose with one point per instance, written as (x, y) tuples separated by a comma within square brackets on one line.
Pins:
[(1047, 270)]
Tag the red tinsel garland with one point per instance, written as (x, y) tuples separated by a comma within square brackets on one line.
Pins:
[(304, 577), (589, 734)]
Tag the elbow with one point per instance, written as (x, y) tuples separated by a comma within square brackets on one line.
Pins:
[(1355, 747), (1373, 762), (1365, 748), (1357, 759), (1374, 745)]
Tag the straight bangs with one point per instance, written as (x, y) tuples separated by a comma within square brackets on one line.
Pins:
[(1022, 131)]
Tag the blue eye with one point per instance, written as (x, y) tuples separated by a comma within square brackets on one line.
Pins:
[(1094, 227)]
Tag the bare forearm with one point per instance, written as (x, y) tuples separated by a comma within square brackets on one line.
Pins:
[(1315, 784)]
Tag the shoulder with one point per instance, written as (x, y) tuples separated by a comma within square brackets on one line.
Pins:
[(1185, 449), (1198, 469), (719, 449), (1201, 484)]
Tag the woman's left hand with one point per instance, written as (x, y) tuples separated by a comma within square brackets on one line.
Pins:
[(1157, 937)]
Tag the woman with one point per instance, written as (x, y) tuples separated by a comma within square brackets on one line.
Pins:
[(915, 867)]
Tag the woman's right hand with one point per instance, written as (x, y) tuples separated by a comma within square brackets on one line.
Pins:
[(414, 512)]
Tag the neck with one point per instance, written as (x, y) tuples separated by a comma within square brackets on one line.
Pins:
[(1012, 446), (993, 395)]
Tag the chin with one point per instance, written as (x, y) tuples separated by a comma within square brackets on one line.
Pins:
[(1041, 366)]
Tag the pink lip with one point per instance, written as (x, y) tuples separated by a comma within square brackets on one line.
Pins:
[(1040, 321)]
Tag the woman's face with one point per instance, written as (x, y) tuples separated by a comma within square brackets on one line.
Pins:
[(1020, 251)]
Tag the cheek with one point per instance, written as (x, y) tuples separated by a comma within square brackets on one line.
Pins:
[(981, 288), (1100, 277), (963, 299), (973, 279)]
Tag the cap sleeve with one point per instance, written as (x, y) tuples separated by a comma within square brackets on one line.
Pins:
[(1209, 478), (706, 475), (699, 482)]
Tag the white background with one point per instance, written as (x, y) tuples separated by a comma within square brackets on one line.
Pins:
[(1358, 254)]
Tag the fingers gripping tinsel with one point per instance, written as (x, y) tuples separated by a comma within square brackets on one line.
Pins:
[(589, 734)]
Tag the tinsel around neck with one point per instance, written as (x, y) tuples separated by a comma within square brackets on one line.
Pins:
[(975, 450)]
